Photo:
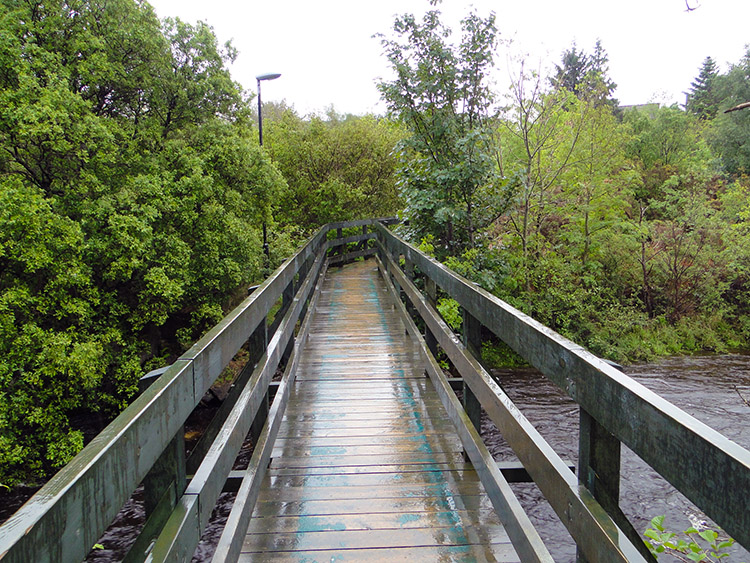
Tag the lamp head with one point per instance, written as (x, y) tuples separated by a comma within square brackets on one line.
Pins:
[(269, 76)]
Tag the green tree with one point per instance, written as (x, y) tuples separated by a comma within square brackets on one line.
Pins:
[(597, 185), (540, 131), (586, 76), (449, 167), (674, 166), (702, 98), (341, 167), (131, 192), (731, 133)]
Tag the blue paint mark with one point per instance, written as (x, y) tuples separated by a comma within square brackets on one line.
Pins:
[(311, 525), (404, 519)]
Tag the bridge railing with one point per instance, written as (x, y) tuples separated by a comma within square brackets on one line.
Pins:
[(709, 469), (144, 444)]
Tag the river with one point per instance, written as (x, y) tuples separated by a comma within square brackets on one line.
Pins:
[(703, 386)]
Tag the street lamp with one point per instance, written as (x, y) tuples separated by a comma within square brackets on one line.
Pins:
[(260, 78)]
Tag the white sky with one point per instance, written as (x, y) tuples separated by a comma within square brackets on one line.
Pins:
[(327, 55)]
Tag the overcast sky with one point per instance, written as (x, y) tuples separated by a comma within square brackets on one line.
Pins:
[(327, 55)]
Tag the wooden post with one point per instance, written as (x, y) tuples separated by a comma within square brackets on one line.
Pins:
[(431, 294), (409, 271), (598, 465), (286, 301), (599, 472), (472, 336), (168, 471), (304, 271), (258, 344)]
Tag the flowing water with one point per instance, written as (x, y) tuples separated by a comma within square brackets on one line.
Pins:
[(707, 387)]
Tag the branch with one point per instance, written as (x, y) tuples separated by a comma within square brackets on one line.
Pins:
[(738, 107), (744, 400)]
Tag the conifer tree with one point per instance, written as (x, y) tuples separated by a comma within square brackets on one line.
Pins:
[(586, 76), (702, 98)]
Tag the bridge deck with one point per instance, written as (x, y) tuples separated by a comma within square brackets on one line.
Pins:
[(366, 464)]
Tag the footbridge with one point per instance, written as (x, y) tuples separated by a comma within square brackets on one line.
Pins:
[(362, 448)]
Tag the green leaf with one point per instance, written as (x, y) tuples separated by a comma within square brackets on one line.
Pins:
[(658, 522), (708, 535)]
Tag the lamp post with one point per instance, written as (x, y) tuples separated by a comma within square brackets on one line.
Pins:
[(260, 78)]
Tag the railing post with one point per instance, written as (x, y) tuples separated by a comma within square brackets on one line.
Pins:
[(430, 288), (286, 301), (598, 464), (472, 336), (257, 346), (168, 472), (341, 248), (599, 472), (304, 271), (409, 272), (163, 486)]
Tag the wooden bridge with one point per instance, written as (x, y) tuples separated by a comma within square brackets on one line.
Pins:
[(362, 449)]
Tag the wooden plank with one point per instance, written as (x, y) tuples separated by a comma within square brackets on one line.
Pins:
[(440, 534), (433, 440), (501, 553), (383, 521), (387, 483), (367, 506), (366, 442), (372, 469), (420, 458)]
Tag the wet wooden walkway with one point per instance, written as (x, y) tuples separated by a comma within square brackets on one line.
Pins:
[(367, 465)]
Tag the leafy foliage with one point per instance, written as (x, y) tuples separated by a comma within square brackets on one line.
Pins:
[(448, 173), (691, 545), (586, 76), (131, 198), (339, 168), (703, 100)]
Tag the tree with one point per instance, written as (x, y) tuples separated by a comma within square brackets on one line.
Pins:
[(702, 98), (597, 185), (586, 76), (449, 164), (572, 74), (131, 198), (338, 168), (731, 134), (540, 133), (673, 161)]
